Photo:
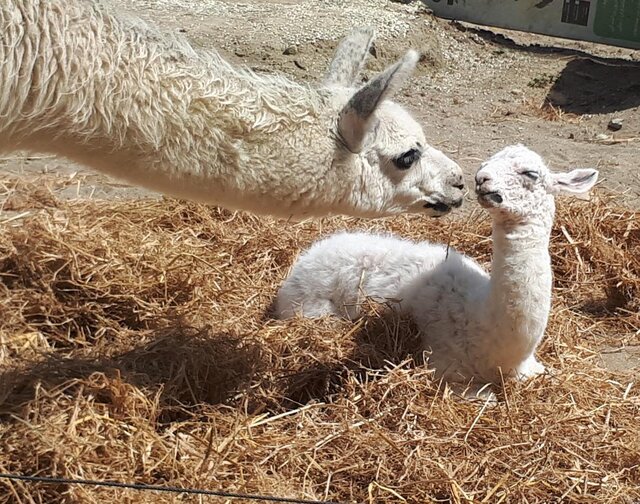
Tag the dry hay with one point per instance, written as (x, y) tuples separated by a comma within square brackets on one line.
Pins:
[(135, 345)]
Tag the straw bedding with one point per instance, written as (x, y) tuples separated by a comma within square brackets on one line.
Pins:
[(136, 345)]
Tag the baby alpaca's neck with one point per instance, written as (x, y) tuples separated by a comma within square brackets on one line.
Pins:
[(519, 295)]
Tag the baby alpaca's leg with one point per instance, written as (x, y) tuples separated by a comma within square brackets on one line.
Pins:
[(529, 368), (317, 308)]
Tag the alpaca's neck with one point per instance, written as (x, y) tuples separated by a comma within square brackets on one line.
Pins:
[(123, 100), (83, 74), (519, 291)]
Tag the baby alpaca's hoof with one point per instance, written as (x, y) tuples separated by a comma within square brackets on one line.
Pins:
[(474, 393), (530, 368)]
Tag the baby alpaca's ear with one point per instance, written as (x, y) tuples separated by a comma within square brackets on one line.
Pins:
[(349, 58), (575, 181), (357, 117)]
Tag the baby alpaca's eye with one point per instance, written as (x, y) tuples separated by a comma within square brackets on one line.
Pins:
[(531, 175), (406, 160)]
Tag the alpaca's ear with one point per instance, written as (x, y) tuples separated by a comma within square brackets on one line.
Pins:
[(576, 181), (349, 58), (357, 117)]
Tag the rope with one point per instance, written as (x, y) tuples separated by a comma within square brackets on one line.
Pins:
[(157, 488)]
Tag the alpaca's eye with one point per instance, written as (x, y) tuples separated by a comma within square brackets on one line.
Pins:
[(531, 175), (406, 160)]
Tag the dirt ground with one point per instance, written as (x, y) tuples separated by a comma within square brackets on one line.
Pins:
[(475, 90)]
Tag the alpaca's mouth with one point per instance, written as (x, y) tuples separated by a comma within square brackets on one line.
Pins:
[(489, 198), (439, 206)]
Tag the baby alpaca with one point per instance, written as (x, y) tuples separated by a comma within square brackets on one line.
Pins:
[(81, 81), (474, 325)]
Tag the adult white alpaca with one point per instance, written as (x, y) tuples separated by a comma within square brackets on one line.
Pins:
[(112, 93), (475, 325)]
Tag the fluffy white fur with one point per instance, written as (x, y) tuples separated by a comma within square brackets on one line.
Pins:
[(473, 324), (108, 91)]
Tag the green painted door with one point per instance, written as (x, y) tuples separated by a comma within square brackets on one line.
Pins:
[(618, 19)]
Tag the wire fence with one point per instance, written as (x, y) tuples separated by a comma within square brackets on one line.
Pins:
[(158, 488)]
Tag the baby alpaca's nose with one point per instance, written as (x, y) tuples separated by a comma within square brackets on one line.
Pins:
[(481, 178)]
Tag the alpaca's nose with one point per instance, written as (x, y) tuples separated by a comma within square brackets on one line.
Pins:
[(458, 182)]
